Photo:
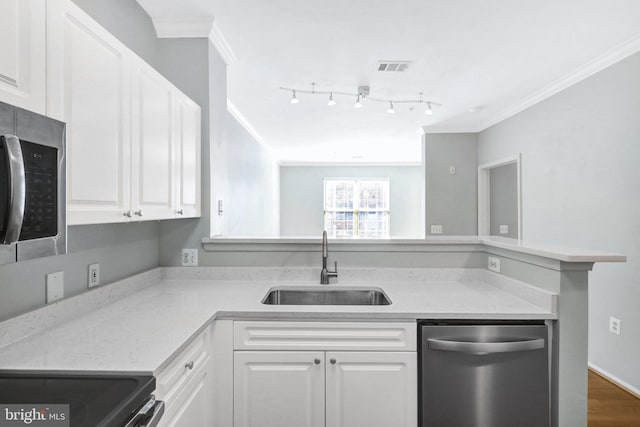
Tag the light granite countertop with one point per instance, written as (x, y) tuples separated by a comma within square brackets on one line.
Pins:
[(140, 332)]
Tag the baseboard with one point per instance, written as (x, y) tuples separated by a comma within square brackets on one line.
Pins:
[(615, 380)]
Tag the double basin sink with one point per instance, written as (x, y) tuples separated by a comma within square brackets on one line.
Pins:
[(325, 295)]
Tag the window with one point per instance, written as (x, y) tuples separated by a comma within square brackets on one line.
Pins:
[(356, 208)]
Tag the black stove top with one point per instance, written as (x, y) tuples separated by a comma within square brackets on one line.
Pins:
[(95, 400)]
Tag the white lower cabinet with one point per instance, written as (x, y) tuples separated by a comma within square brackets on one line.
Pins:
[(185, 386), (278, 389), (373, 389), (316, 388)]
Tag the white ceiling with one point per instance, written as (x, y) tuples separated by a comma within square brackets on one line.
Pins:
[(495, 56)]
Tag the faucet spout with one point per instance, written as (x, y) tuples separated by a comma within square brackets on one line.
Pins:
[(325, 274)]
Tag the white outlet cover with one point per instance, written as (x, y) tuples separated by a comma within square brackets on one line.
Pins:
[(55, 286), (615, 325), (436, 229), (94, 275), (504, 229), (452, 170), (189, 257), (494, 264)]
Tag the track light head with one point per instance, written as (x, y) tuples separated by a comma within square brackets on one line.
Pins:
[(391, 110), (294, 100), (428, 111), (331, 101), (358, 104)]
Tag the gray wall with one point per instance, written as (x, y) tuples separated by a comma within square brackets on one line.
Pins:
[(581, 187), (251, 191), (121, 249), (302, 189), (452, 200), (503, 200)]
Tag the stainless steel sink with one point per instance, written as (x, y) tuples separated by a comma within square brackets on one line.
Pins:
[(325, 295)]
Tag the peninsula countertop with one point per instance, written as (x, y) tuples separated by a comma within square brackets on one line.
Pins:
[(141, 332)]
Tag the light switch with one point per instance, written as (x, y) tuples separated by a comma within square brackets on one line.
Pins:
[(55, 286), (504, 229), (436, 229)]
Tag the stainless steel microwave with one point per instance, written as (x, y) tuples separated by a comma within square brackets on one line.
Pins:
[(32, 185)]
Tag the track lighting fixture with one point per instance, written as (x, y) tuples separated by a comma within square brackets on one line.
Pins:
[(294, 100), (361, 95)]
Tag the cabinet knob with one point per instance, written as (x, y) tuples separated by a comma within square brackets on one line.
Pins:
[(128, 214), (189, 365), (317, 361), (332, 361), (139, 212), (180, 212)]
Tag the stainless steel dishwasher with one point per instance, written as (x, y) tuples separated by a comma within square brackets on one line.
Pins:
[(484, 374)]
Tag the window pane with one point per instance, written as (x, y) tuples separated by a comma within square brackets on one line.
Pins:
[(339, 224), (373, 195), (338, 194), (373, 225)]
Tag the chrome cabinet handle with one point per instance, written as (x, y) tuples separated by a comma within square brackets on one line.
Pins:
[(180, 212), (189, 365), (17, 189), (316, 361), (332, 361), (128, 214), (485, 347), (139, 212)]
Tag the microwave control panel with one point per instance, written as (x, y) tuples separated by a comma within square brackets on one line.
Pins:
[(41, 179)]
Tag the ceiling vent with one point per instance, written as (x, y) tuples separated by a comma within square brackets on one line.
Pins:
[(393, 66)]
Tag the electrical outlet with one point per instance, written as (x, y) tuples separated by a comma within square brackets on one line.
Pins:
[(494, 264), (55, 286), (615, 325), (452, 170), (436, 229), (504, 229), (189, 257), (220, 207), (94, 275)]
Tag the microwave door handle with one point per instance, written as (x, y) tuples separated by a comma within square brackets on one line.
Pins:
[(17, 188), (485, 347)]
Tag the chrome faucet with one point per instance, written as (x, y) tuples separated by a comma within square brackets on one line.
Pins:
[(325, 274)]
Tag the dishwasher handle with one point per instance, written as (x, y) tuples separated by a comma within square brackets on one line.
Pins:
[(485, 347)]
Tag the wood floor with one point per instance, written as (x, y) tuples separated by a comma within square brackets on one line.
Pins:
[(611, 406)]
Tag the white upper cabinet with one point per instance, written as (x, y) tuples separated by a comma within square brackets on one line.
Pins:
[(153, 191), (22, 53), (188, 157), (88, 82), (133, 139)]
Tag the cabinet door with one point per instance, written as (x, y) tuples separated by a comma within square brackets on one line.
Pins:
[(188, 157), (153, 169), (22, 55), (193, 405), (276, 389), (88, 88), (373, 389)]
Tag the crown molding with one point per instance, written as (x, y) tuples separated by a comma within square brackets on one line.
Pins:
[(222, 45), (598, 64), (233, 110), (181, 28)]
